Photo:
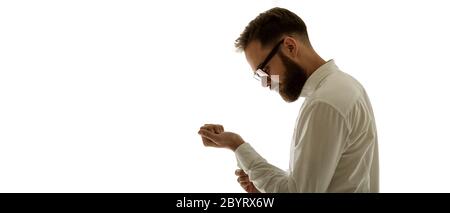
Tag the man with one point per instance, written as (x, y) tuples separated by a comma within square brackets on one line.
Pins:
[(334, 147)]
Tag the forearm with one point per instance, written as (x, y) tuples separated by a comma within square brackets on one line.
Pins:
[(266, 177)]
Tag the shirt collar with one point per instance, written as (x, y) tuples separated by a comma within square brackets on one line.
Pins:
[(313, 81)]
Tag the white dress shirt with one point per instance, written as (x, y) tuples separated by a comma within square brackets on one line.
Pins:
[(334, 146)]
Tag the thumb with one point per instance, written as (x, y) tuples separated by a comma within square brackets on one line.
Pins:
[(208, 134)]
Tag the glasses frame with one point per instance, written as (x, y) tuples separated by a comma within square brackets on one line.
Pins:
[(260, 73)]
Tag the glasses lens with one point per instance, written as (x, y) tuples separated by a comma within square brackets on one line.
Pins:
[(263, 77)]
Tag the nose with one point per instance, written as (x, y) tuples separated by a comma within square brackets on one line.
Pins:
[(265, 81)]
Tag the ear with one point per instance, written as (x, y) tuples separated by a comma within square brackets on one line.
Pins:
[(291, 47)]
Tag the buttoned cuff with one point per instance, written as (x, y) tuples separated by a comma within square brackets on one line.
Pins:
[(246, 156)]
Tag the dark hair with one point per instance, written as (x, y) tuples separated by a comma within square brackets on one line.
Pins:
[(269, 26)]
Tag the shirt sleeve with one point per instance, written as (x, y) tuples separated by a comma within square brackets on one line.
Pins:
[(317, 150)]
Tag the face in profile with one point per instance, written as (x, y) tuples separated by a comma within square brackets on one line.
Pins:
[(286, 76)]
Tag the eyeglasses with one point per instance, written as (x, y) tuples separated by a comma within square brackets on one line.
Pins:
[(260, 73)]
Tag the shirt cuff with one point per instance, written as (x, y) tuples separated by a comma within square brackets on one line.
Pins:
[(246, 156)]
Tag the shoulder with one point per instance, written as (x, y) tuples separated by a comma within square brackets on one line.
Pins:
[(339, 91)]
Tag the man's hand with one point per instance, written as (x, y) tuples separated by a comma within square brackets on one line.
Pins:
[(214, 135), (245, 182)]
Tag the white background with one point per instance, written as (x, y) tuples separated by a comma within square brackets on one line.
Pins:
[(108, 96)]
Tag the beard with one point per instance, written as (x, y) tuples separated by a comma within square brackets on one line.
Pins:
[(293, 81)]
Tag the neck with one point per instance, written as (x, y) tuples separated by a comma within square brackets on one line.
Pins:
[(313, 61)]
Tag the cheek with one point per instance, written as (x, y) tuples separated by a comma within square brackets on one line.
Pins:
[(280, 71)]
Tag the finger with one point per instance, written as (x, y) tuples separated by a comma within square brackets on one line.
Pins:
[(211, 129), (243, 179), (247, 187), (244, 185), (208, 134), (251, 188), (211, 125), (216, 127), (217, 130), (239, 172), (207, 142), (208, 126)]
